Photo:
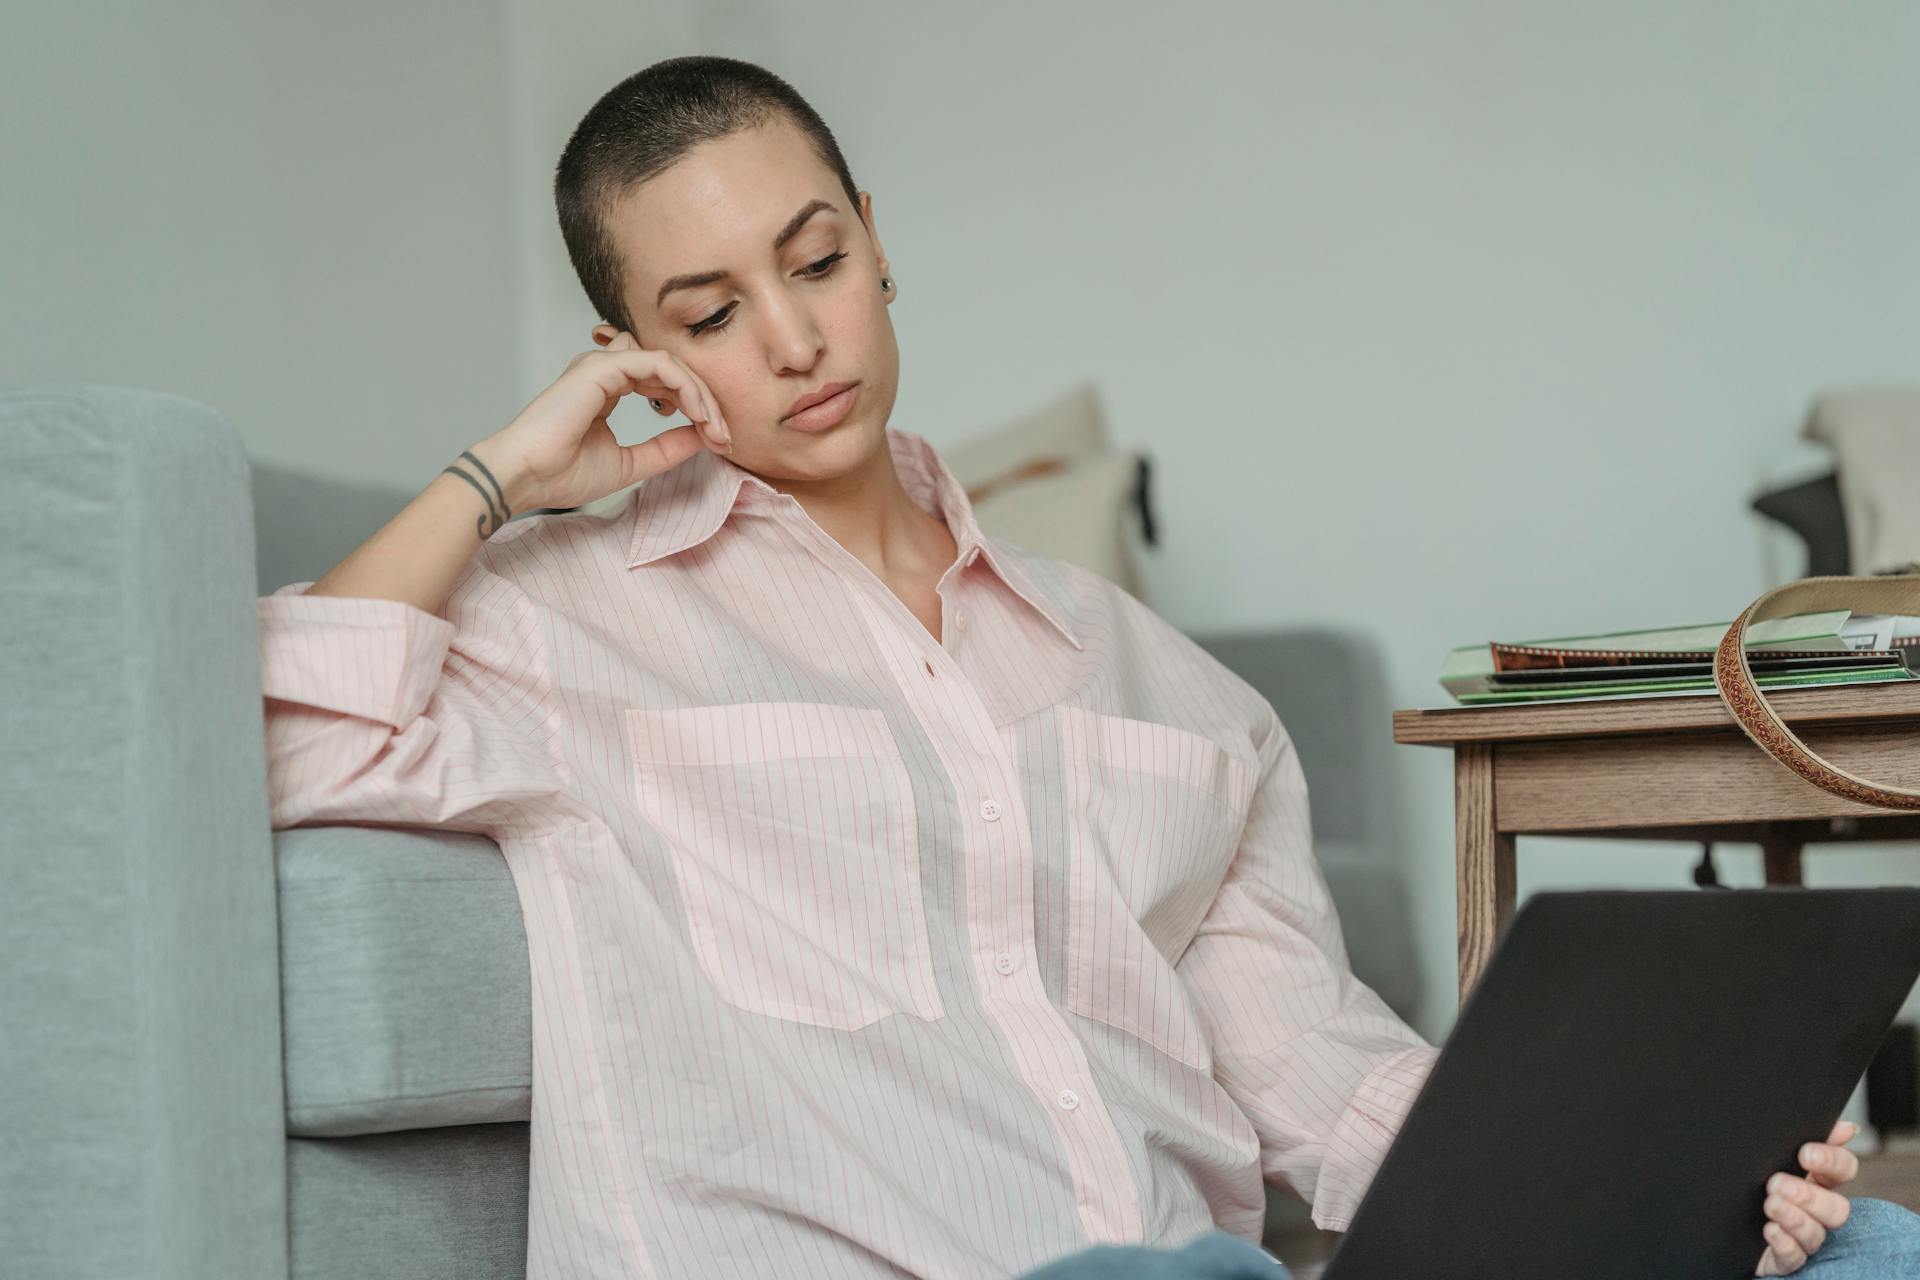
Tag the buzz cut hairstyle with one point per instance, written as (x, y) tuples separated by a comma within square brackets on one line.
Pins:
[(646, 124)]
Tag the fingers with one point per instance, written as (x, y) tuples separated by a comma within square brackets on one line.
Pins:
[(1794, 1233), (1788, 1257), (1829, 1164), (625, 341), (623, 367), (1800, 1211), (683, 389), (701, 405), (1828, 1208), (722, 435), (663, 453)]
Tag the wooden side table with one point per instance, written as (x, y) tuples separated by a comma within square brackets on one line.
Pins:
[(1674, 768)]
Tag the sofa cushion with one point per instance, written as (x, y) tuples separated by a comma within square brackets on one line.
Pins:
[(404, 983), (409, 1206)]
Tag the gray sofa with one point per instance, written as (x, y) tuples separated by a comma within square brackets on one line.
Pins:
[(235, 1052)]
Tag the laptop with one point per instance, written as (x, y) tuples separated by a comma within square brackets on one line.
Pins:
[(1630, 1069)]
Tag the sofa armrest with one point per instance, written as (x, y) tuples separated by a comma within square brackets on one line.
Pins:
[(140, 1069)]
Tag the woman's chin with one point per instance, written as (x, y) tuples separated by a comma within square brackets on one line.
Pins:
[(843, 449)]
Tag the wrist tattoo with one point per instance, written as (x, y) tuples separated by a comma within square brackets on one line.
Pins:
[(496, 513)]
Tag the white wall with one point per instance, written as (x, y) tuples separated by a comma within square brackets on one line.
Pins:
[(294, 213), (1450, 322)]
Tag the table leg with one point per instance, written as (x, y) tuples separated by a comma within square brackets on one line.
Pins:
[(1781, 856), (1483, 870)]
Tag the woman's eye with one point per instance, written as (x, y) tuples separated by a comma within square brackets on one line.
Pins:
[(718, 320), (709, 325), (826, 262)]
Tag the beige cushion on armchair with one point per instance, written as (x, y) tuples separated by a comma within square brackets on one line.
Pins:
[(1049, 480), (1875, 435)]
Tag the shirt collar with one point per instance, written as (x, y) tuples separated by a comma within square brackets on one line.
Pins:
[(684, 507)]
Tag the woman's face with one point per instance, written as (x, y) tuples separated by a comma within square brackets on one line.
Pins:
[(779, 321)]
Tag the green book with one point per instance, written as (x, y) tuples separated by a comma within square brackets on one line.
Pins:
[(1683, 684)]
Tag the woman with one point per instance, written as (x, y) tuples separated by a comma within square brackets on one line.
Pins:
[(899, 901)]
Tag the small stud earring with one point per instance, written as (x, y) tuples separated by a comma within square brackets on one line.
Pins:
[(886, 283), (658, 404)]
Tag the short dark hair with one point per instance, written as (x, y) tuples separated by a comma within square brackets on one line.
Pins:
[(643, 126)]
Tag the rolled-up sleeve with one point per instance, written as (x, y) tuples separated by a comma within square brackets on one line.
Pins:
[(379, 712), (1323, 1069)]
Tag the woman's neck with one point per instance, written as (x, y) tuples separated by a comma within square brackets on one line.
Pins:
[(871, 514)]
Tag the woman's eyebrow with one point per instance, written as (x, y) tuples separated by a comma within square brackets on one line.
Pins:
[(695, 279)]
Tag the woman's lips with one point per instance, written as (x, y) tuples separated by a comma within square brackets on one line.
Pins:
[(825, 414)]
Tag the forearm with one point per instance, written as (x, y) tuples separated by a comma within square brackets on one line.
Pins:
[(417, 556)]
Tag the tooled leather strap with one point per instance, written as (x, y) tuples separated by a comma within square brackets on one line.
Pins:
[(1734, 678)]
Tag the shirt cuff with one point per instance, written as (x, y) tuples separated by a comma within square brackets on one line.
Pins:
[(1365, 1130), (377, 659)]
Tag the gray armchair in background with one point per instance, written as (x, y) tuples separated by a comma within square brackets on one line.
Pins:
[(1813, 510), (229, 1051)]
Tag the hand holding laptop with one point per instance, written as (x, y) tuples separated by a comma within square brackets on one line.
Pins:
[(1802, 1210)]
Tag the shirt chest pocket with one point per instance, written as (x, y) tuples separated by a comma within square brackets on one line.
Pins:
[(792, 833), (1154, 815)]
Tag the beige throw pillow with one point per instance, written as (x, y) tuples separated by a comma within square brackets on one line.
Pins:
[(1875, 435), (1050, 481)]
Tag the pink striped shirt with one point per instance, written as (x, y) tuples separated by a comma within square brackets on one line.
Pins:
[(854, 951)]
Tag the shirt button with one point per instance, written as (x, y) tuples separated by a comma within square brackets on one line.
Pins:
[(960, 619), (1003, 962), (1068, 1099), (990, 810)]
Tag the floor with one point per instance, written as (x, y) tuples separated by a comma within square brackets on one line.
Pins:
[(1892, 1173)]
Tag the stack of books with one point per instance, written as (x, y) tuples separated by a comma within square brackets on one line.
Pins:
[(1834, 647)]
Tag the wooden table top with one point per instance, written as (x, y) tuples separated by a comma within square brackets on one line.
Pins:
[(1447, 726)]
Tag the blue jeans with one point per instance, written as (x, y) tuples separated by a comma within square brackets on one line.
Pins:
[(1878, 1241)]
